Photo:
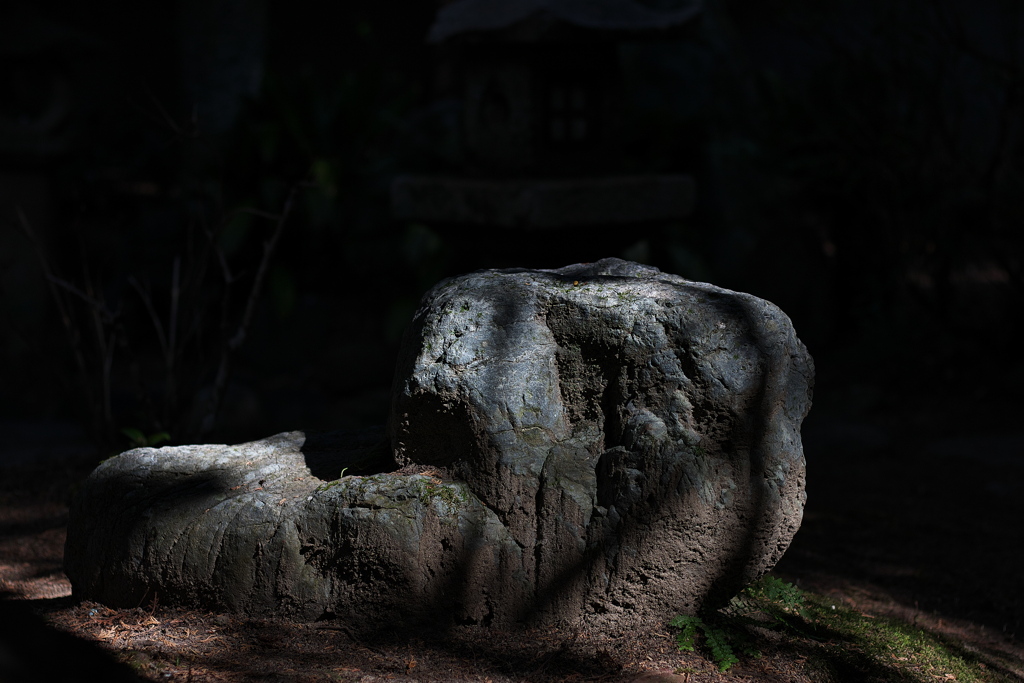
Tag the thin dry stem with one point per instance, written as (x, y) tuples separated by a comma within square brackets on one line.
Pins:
[(238, 338)]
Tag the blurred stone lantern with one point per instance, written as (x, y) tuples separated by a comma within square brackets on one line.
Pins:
[(541, 116)]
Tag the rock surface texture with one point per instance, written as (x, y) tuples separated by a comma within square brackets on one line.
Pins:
[(601, 444)]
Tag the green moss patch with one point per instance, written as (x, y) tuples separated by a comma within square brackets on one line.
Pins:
[(834, 642)]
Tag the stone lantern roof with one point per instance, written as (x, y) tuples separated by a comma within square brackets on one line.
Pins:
[(473, 16)]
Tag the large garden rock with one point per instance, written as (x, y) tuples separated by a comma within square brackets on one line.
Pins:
[(638, 435), (602, 443)]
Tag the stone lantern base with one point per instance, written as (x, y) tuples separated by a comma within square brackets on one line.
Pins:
[(536, 204)]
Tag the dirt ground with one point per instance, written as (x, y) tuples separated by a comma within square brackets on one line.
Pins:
[(917, 514)]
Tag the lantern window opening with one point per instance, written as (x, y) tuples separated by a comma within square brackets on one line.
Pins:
[(570, 116)]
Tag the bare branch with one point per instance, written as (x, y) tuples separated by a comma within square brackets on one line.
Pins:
[(268, 250), (954, 30), (97, 306), (175, 296), (74, 339), (255, 212), (152, 312), (224, 368), (221, 258), (103, 320), (170, 360)]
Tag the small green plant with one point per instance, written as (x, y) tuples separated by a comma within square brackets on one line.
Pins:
[(139, 439), (778, 592), (719, 640), (725, 635)]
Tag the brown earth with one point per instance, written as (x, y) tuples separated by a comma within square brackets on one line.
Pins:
[(918, 514)]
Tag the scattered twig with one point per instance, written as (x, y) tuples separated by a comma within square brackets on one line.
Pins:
[(350, 633)]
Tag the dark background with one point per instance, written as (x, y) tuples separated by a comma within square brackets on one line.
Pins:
[(860, 164)]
